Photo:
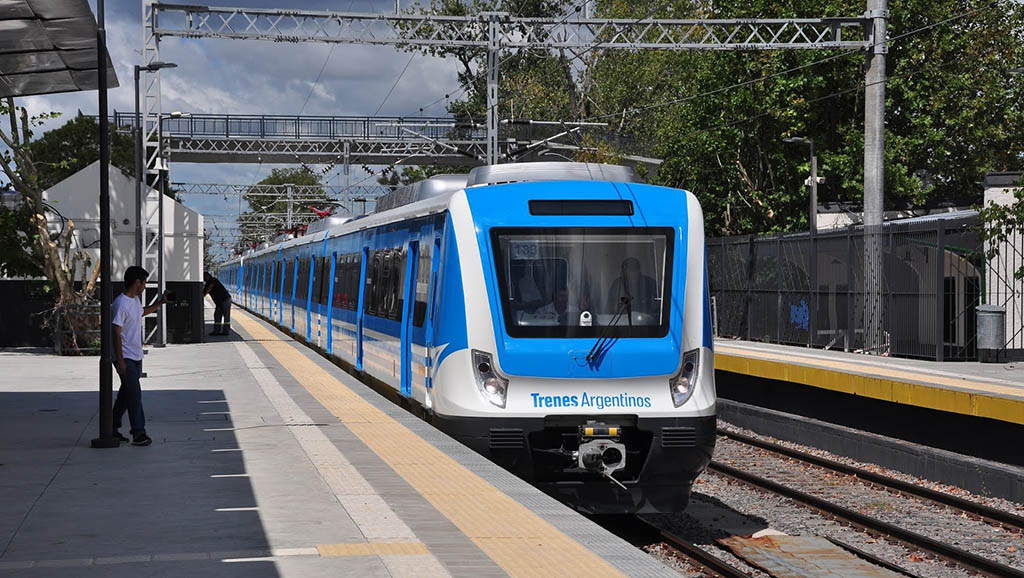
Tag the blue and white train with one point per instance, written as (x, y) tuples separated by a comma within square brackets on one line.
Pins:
[(554, 317)]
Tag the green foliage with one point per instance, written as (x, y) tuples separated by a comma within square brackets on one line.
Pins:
[(1002, 224), (65, 150), (17, 235), (261, 203), (952, 110), (392, 177)]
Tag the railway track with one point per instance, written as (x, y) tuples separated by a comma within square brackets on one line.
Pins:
[(948, 552), (640, 532), (1007, 520)]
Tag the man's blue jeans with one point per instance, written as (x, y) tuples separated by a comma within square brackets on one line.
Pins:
[(129, 398)]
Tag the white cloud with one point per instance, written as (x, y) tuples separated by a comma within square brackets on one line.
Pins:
[(252, 77)]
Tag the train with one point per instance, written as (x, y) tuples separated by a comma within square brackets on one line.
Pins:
[(553, 317)]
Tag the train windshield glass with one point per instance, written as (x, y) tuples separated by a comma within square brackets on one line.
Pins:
[(576, 282)]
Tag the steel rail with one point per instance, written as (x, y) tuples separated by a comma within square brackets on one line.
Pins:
[(869, 557), (700, 556), (635, 529), (992, 515), (945, 551)]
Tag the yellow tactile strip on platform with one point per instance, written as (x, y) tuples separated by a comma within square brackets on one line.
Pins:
[(979, 399), (517, 539)]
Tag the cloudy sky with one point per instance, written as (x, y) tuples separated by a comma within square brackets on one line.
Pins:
[(252, 77)]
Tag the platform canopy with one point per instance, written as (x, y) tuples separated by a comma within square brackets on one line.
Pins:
[(48, 46)]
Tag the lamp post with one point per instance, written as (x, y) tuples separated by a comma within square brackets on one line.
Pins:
[(106, 438), (139, 164), (812, 309)]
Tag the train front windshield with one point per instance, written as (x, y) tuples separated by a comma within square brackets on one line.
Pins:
[(584, 282)]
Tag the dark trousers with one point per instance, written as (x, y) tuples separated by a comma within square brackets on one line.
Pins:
[(129, 398), (222, 311)]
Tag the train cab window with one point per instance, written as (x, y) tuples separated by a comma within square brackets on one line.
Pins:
[(572, 282)]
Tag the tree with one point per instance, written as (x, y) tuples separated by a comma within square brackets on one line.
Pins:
[(56, 155), (268, 208), (951, 109), (50, 252), (79, 136)]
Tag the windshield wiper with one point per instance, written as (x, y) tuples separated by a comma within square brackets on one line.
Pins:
[(604, 339)]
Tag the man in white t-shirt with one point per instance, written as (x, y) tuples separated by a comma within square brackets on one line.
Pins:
[(127, 313)]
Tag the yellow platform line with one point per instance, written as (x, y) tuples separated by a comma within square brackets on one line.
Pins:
[(969, 397), (517, 539)]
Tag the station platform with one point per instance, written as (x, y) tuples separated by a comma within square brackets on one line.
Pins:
[(267, 461), (986, 390)]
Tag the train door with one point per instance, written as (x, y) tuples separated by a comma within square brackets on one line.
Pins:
[(271, 292), (280, 292), (408, 305), (328, 301), (435, 264), (309, 298), (360, 312), (295, 284)]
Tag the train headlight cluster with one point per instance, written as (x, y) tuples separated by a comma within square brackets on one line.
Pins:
[(493, 386), (683, 383)]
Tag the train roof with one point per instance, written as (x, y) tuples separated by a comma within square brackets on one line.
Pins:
[(431, 195)]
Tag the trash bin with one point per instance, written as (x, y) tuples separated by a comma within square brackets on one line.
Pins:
[(991, 333)]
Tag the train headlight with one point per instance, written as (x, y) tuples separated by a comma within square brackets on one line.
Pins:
[(493, 386), (683, 383)]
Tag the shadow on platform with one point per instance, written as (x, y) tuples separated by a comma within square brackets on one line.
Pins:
[(183, 506)]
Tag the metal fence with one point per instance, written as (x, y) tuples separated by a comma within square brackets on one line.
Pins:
[(802, 290)]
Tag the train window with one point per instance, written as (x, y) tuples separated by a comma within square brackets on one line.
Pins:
[(397, 288), (315, 279), (303, 280), (287, 269), (385, 280), (352, 280), (373, 275), (419, 311), (570, 282), (346, 282)]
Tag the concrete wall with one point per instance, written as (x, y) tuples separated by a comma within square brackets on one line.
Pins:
[(76, 198)]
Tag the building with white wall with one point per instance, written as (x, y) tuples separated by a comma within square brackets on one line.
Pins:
[(77, 198), (1001, 287)]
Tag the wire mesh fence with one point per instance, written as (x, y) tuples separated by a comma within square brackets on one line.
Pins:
[(808, 290)]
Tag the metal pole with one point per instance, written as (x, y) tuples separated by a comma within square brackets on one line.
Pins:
[(106, 439), (812, 310), (940, 290), (493, 50), (874, 171), (348, 180), (814, 191), (288, 224), (138, 175), (161, 317)]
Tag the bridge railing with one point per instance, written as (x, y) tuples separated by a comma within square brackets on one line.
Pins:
[(262, 126)]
